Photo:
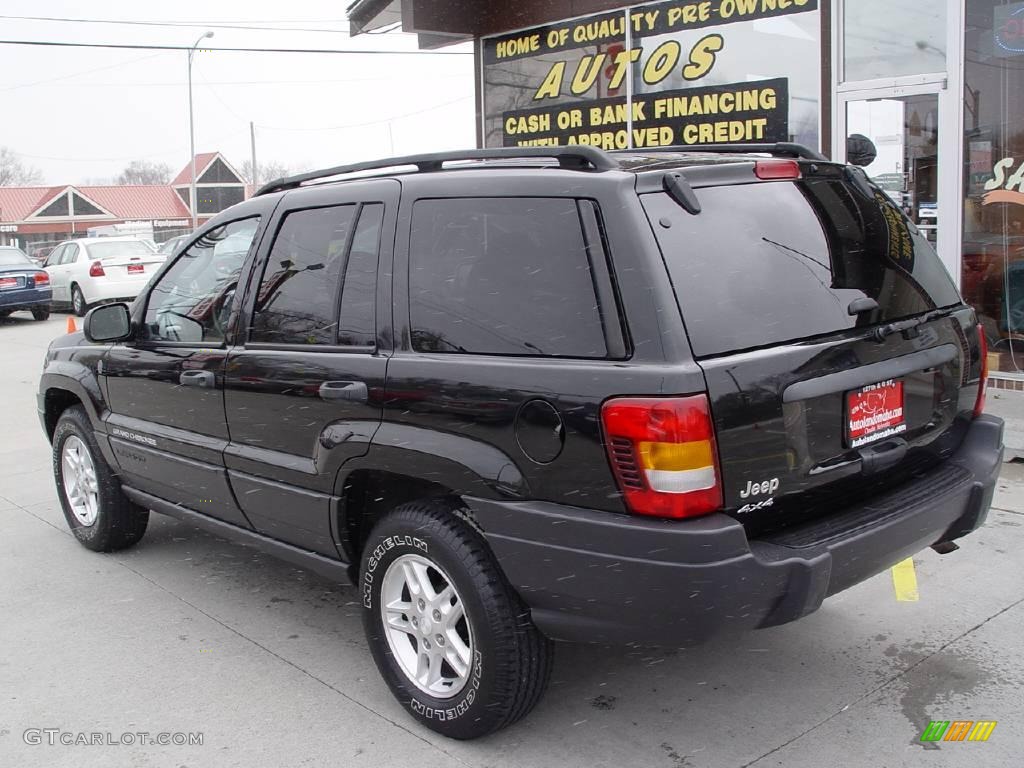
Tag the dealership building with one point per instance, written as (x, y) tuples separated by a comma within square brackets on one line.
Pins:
[(938, 85), (41, 216)]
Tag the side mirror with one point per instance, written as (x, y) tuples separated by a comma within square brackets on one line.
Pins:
[(107, 323)]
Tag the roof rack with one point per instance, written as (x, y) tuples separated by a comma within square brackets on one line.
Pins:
[(780, 149), (574, 158)]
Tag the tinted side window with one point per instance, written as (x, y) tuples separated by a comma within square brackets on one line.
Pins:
[(359, 289), (297, 297), (193, 298), (507, 276)]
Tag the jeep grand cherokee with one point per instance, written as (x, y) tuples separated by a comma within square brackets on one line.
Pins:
[(525, 395)]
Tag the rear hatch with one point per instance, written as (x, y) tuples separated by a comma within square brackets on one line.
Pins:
[(125, 260), (838, 355)]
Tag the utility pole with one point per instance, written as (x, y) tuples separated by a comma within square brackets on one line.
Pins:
[(193, 202), (255, 170)]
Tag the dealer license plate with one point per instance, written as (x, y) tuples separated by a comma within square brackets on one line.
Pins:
[(875, 412), (135, 269)]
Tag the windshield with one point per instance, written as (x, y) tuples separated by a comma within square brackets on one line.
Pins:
[(119, 248), (758, 250), (10, 256), (169, 246)]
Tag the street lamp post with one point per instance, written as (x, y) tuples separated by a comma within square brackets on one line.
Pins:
[(194, 203)]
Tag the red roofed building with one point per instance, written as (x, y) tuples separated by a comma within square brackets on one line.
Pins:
[(34, 217)]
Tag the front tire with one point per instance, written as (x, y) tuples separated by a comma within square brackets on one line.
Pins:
[(451, 638), (99, 514), (41, 313), (78, 305)]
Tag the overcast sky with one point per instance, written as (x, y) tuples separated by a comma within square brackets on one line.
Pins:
[(82, 114)]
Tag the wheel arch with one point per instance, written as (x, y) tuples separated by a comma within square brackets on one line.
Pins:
[(369, 494), (441, 466), (66, 384)]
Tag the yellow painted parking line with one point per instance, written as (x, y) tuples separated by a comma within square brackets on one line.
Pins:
[(904, 581)]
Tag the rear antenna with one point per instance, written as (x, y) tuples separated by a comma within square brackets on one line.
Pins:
[(679, 189)]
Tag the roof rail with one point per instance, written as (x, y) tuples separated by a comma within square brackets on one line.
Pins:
[(574, 158), (780, 149)]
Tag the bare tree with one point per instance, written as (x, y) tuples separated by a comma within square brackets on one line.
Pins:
[(145, 172), (14, 173), (266, 172)]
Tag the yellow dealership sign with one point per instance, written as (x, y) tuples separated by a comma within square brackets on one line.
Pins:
[(656, 74)]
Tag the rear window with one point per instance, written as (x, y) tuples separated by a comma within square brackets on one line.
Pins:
[(768, 263), (119, 248), (10, 256)]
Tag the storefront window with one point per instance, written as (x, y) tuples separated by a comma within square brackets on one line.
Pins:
[(699, 73), (892, 38), (993, 250), (763, 63)]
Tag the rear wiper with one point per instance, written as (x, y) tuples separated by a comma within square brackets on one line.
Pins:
[(883, 332)]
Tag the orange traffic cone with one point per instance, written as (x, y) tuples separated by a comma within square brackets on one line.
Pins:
[(71, 324)]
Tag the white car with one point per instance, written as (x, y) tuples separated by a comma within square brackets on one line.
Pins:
[(92, 270)]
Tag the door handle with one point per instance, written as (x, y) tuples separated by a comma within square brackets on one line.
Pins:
[(354, 391), (201, 379)]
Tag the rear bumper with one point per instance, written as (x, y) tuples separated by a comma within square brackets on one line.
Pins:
[(111, 290), (25, 298), (591, 576)]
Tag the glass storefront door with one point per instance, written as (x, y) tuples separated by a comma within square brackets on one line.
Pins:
[(913, 129), (905, 132)]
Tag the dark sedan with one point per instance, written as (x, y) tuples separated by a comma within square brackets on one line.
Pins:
[(23, 285)]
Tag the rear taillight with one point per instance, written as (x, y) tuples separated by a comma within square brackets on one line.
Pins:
[(96, 270), (41, 279), (979, 405), (773, 170), (663, 454)]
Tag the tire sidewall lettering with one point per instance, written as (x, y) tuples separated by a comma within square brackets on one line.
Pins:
[(463, 706), (383, 548)]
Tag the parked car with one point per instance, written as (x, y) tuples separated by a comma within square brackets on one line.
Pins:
[(92, 270), (170, 247), (23, 285), (541, 394), (39, 255)]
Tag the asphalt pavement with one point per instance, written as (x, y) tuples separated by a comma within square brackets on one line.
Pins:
[(187, 634)]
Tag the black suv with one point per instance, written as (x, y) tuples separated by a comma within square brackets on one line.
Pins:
[(525, 395)]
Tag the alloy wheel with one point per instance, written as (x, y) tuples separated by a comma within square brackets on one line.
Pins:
[(426, 626), (81, 488)]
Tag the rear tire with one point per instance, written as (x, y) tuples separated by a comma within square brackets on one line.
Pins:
[(99, 514), (78, 305), (424, 550), (41, 313)]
